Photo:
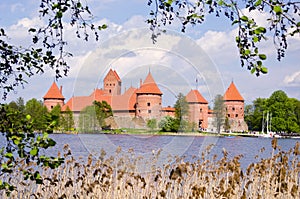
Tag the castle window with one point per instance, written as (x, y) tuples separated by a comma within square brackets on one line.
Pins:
[(236, 115), (109, 90), (228, 115), (51, 107), (149, 111), (148, 104), (200, 110), (233, 108), (110, 84)]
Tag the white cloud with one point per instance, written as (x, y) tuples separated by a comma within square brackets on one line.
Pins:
[(293, 79)]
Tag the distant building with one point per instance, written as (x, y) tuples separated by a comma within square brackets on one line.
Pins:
[(53, 97), (145, 102), (198, 109), (234, 103)]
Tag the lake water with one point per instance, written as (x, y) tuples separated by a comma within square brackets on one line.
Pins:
[(184, 146)]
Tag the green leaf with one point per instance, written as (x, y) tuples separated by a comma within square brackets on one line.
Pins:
[(59, 14), (298, 24), (9, 155), (34, 152), (257, 3), (247, 52), (255, 39), (264, 70), (28, 117), (277, 9), (260, 30), (244, 18), (262, 56), (253, 70)]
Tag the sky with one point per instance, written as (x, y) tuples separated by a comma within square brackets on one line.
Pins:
[(204, 58)]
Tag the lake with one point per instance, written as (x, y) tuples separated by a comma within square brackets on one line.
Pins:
[(183, 146)]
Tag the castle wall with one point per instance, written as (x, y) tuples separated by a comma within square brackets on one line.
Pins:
[(148, 106), (198, 114), (51, 103), (235, 110)]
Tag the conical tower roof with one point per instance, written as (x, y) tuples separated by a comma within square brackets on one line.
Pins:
[(54, 92), (195, 96), (149, 86), (232, 94)]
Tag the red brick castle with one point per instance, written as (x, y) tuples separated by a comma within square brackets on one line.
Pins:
[(145, 103)]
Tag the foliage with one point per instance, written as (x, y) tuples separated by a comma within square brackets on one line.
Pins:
[(282, 17), (219, 112), (284, 112), (169, 124), (92, 118), (67, 120), (103, 111), (181, 112), (152, 124), (47, 49), (22, 145), (181, 107), (226, 124), (38, 113)]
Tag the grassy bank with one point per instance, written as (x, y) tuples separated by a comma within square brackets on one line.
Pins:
[(119, 177)]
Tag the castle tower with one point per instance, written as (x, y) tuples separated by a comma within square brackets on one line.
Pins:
[(234, 103), (148, 99), (198, 109), (112, 83), (53, 97)]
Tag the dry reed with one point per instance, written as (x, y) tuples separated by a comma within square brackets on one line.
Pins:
[(118, 177)]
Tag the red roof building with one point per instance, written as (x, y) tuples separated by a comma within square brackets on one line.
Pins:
[(198, 109), (54, 97), (234, 103)]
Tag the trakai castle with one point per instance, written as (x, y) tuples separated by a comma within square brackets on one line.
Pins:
[(145, 102)]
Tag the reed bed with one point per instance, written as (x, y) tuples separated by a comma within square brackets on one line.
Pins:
[(118, 176)]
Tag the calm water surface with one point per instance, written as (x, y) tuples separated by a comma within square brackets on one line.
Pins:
[(184, 146)]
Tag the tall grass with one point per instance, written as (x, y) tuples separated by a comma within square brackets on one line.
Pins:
[(118, 176)]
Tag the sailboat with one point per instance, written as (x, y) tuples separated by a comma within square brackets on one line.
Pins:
[(269, 133)]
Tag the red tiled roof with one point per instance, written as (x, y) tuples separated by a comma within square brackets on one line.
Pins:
[(117, 102), (232, 94), (54, 92), (126, 101), (149, 86), (195, 96), (116, 75)]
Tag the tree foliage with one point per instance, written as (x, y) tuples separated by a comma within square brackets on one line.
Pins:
[(282, 17), (47, 49), (92, 118), (219, 112), (284, 112), (21, 146), (169, 124)]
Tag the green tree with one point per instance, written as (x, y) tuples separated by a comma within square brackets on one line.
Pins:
[(281, 18), (55, 115), (169, 124), (282, 109), (152, 123), (23, 146), (67, 120), (219, 112), (38, 113), (92, 118), (103, 111), (181, 112)]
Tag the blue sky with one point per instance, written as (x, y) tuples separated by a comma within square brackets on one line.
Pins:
[(205, 52)]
